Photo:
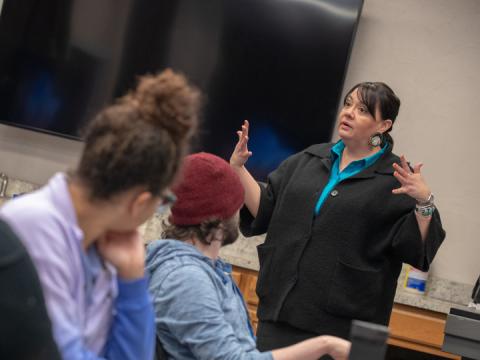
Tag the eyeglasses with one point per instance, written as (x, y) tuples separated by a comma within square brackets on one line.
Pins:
[(167, 199)]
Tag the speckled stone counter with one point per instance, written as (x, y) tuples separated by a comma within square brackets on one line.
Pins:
[(17, 187), (441, 294)]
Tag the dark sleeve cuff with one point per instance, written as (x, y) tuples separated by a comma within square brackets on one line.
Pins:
[(251, 226), (409, 245), (435, 236)]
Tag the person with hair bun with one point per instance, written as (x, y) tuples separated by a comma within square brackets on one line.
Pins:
[(340, 221), (81, 228)]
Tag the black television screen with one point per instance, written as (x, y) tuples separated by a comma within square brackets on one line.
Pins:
[(279, 63)]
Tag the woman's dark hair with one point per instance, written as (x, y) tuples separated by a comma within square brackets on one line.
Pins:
[(141, 139), (378, 95)]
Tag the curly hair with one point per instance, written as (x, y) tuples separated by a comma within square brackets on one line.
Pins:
[(204, 231), (140, 139)]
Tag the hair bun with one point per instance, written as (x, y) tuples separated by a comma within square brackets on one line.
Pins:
[(167, 100)]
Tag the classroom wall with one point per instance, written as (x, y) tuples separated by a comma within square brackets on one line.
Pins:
[(429, 52)]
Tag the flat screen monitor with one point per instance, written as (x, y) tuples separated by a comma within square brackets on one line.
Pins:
[(280, 64)]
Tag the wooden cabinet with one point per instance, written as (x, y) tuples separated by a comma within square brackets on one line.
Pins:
[(237, 277), (410, 327), (247, 281), (418, 329)]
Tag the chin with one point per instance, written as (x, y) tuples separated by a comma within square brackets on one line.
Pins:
[(343, 135)]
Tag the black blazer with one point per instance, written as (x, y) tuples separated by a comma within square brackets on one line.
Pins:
[(319, 273)]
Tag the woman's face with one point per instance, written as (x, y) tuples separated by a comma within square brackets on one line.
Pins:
[(136, 209), (356, 124)]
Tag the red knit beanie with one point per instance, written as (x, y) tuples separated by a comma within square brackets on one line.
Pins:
[(208, 189)]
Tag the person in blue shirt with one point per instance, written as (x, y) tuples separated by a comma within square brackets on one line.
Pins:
[(81, 228), (199, 311), (340, 220)]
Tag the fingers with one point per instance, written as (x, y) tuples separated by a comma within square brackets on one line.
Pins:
[(411, 180), (405, 170), (404, 163), (399, 170), (242, 145), (417, 168), (244, 132), (243, 137), (241, 153), (246, 124), (245, 128), (400, 190)]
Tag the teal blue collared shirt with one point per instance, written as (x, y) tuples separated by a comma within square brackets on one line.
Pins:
[(337, 176)]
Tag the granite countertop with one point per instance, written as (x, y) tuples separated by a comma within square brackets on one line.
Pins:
[(441, 294)]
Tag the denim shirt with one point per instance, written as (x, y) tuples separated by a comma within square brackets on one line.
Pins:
[(200, 313)]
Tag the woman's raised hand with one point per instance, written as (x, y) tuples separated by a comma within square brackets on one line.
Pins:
[(412, 182), (241, 154)]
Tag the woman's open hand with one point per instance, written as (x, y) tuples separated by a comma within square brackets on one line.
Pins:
[(241, 154), (412, 182)]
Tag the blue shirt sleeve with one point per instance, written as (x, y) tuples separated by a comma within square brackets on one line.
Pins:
[(132, 335)]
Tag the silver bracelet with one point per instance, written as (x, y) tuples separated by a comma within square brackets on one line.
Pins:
[(426, 208), (429, 201)]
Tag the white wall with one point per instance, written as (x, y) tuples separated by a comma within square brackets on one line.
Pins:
[(429, 52), (33, 156)]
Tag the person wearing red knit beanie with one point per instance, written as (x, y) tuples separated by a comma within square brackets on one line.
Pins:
[(209, 189), (199, 311)]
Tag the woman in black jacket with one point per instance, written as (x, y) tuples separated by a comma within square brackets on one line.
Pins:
[(340, 220)]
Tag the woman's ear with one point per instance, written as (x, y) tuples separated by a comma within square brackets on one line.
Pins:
[(139, 202), (385, 125)]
